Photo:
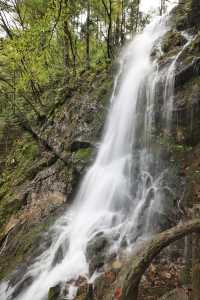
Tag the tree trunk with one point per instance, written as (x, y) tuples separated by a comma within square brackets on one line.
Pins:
[(196, 260), (109, 33), (69, 38), (66, 46), (132, 18), (122, 23), (151, 249), (137, 16), (109, 42), (117, 32), (88, 36)]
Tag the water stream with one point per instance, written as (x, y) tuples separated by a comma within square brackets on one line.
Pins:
[(124, 188)]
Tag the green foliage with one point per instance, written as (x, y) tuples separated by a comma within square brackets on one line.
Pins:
[(171, 40), (46, 43), (173, 146), (18, 169)]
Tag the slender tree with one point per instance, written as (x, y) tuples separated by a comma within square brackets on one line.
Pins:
[(109, 10), (88, 36)]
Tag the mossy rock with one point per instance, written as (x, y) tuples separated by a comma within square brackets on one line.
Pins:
[(187, 15), (171, 40), (54, 293), (181, 22), (22, 164), (83, 154), (195, 46), (23, 243)]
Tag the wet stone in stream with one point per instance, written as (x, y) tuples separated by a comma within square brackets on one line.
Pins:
[(54, 292), (96, 252)]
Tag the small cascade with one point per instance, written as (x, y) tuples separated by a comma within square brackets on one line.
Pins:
[(170, 81), (122, 193)]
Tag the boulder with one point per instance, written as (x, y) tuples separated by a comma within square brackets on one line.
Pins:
[(54, 292), (96, 252)]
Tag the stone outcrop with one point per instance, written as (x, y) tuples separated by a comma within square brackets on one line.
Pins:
[(43, 166)]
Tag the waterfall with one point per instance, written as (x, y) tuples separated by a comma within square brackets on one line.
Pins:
[(124, 188), (170, 81)]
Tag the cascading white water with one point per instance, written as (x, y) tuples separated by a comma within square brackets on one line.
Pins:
[(118, 192), (170, 81)]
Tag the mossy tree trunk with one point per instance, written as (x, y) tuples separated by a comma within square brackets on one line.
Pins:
[(150, 250), (196, 260)]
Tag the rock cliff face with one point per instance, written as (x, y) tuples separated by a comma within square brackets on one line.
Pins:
[(42, 166), (39, 179)]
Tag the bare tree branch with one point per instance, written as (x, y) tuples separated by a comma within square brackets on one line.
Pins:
[(143, 259)]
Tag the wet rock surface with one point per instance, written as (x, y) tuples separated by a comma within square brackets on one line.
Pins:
[(96, 252), (187, 72), (41, 181), (54, 293)]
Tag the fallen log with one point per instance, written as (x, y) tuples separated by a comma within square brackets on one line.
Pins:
[(151, 249)]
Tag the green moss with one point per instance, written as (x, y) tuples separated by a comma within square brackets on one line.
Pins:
[(195, 46), (188, 88), (185, 276), (54, 293), (25, 153), (156, 292), (26, 149), (171, 40), (2, 126), (24, 242), (19, 167), (181, 22), (181, 15), (103, 93), (174, 151), (83, 154)]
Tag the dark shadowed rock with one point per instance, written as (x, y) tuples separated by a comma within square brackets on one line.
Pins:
[(54, 292), (25, 283), (96, 245), (96, 252), (76, 145), (187, 72), (58, 257)]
